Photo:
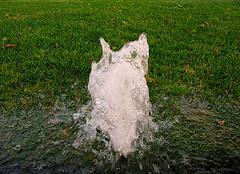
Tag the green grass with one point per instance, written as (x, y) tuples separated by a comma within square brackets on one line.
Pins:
[(194, 53)]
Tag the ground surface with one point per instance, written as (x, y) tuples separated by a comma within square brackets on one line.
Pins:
[(194, 80)]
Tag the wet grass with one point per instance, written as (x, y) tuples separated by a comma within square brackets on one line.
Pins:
[(194, 80)]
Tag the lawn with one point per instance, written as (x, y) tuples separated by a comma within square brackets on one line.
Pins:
[(194, 81)]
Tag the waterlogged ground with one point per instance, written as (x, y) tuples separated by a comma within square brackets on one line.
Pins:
[(193, 137), (46, 52)]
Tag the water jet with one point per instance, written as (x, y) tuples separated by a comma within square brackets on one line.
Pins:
[(119, 93)]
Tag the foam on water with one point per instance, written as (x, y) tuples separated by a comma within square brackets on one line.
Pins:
[(119, 93)]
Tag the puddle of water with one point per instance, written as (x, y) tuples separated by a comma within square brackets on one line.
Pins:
[(96, 154)]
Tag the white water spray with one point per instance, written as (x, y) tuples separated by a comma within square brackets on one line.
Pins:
[(119, 93)]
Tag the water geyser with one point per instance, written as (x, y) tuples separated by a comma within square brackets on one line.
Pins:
[(119, 93)]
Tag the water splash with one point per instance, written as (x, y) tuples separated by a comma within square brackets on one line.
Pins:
[(119, 92)]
